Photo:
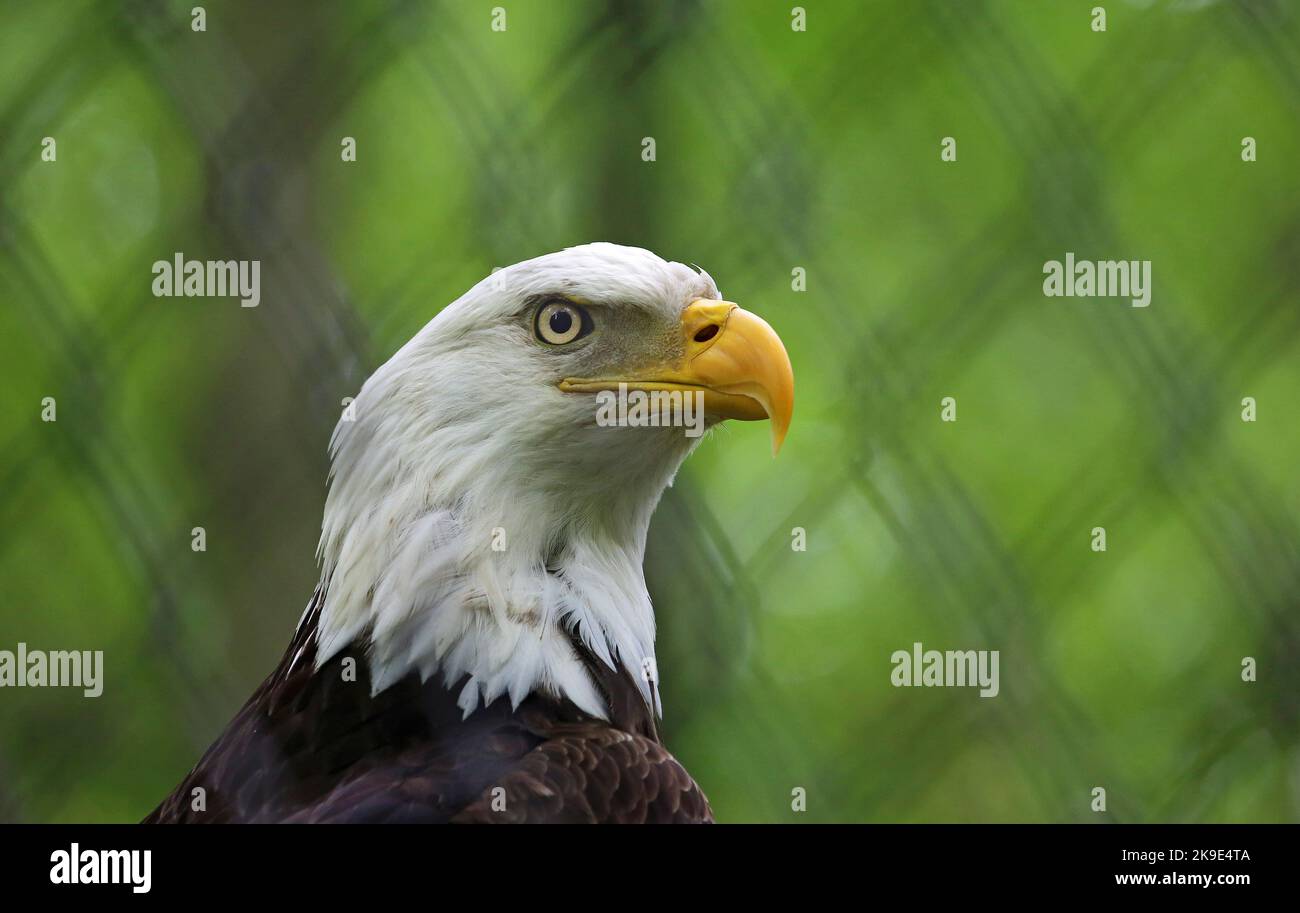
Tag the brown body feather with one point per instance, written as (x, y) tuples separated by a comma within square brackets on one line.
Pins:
[(310, 746)]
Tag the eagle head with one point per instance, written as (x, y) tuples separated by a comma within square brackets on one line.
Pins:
[(485, 516)]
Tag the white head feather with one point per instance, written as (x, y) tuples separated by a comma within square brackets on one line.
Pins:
[(462, 440)]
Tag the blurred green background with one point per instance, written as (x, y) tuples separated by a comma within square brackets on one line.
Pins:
[(776, 149)]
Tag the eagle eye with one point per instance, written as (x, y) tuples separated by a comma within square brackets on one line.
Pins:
[(561, 322)]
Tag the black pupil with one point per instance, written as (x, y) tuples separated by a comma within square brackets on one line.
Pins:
[(561, 322)]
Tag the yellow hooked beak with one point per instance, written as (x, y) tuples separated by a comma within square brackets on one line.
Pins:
[(731, 356)]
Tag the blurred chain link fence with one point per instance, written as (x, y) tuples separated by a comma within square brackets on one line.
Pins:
[(776, 149)]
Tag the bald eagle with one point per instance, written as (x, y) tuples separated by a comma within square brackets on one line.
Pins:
[(480, 647)]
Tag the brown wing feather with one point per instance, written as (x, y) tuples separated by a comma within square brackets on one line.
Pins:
[(590, 773), (315, 746)]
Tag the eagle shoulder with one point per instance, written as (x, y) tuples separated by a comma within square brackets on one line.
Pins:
[(312, 745), (593, 773)]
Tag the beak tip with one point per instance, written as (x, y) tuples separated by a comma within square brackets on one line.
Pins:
[(778, 438)]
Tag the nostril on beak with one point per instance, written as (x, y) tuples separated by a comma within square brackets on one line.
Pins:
[(707, 333)]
